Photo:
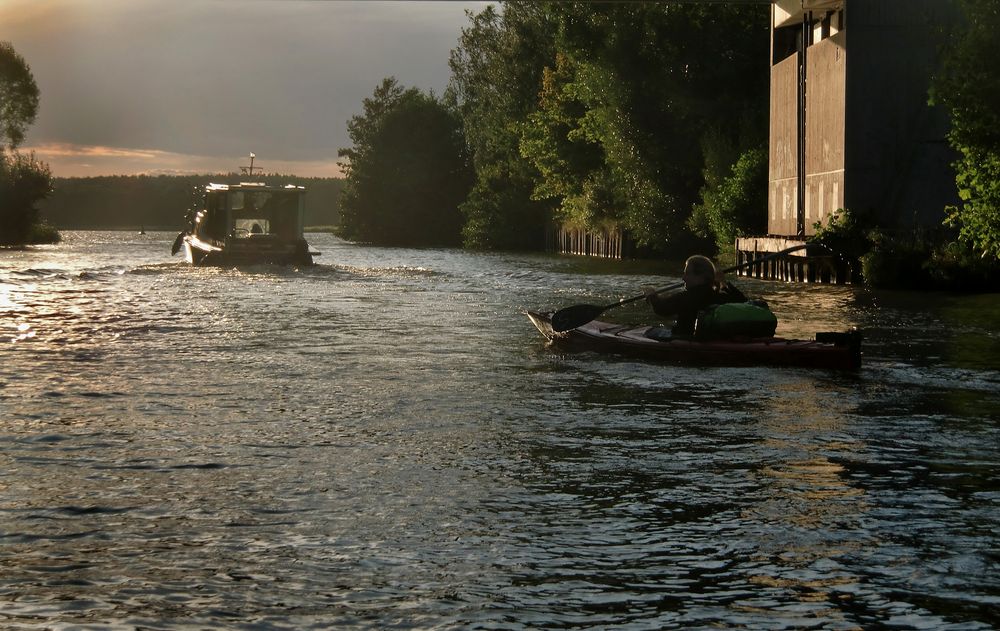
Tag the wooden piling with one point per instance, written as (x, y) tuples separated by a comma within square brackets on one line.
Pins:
[(609, 242), (802, 266)]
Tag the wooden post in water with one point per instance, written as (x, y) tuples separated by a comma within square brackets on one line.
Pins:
[(604, 242)]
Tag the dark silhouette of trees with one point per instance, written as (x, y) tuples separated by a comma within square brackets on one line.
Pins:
[(497, 73), (18, 96), (24, 181), (407, 172), (159, 202), (597, 115), (968, 86)]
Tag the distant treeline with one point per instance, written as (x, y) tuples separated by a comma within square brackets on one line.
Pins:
[(161, 201)]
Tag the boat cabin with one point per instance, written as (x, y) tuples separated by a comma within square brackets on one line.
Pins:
[(249, 223)]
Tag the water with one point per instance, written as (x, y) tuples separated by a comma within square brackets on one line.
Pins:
[(383, 441)]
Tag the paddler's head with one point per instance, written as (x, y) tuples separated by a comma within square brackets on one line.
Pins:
[(698, 270)]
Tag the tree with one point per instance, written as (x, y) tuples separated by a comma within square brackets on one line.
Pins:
[(633, 89), (968, 86), (496, 75), (734, 195), (18, 97), (24, 181), (407, 172), (571, 160)]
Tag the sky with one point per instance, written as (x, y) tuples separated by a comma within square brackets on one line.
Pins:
[(195, 86)]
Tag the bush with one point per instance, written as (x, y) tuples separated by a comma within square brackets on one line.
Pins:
[(895, 261), (846, 232), (968, 87), (916, 259), (732, 204), (43, 232), (926, 260), (24, 181), (952, 265)]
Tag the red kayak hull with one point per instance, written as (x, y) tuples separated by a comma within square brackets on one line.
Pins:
[(836, 351)]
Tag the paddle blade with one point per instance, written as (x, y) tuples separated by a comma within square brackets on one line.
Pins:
[(178, 242), (572, 317)]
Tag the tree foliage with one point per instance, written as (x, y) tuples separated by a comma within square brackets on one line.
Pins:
[(407, 172), (733, 198), (24, 181), (606, 105), (969, 88), (496, 75), (18, 97), (562, 140)]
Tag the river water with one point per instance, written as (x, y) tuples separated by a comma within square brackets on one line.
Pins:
[(383, 441)]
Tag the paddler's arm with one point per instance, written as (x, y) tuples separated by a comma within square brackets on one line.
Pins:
[(726, 290), (731, 292), (666, 306)]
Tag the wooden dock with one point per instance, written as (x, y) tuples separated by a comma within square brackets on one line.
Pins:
[(804, 266)]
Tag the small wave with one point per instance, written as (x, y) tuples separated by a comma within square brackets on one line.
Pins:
[(154, 269), (91, 394), (46, 438), (944, 377), (58, 274), (394, 271), (206, 465), (128, 467), (43, 272), (91, 510), (27, 537), (68, 567), (86, 355)]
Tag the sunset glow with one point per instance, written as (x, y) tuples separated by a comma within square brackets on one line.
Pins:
[(69, 160)]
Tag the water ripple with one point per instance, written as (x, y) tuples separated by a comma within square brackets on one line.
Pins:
[(383, 441)]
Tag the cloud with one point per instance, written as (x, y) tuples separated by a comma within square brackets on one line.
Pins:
[(64, 150), (221, 78), (70, 160)]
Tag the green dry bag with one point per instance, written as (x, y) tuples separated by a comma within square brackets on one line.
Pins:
[(736, 319)]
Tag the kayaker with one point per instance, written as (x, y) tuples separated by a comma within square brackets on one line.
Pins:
[(703, 287)]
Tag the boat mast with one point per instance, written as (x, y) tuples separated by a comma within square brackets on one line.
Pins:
[(248, 170)]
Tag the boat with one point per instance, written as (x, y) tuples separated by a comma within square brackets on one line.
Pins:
[(831, 350), (248, 223)]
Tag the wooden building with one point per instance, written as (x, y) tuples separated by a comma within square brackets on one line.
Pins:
[(850, 123)]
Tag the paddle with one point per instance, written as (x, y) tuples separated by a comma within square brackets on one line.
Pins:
[(178, 242), (578, 315)]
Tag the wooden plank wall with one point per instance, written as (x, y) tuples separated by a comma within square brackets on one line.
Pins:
[(782, 186), (826, 93)]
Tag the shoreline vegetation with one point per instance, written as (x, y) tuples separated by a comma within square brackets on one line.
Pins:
[(565, 114), (24, 180), (51, 232), (112, 201)]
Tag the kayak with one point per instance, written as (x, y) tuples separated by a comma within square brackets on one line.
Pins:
[(836, 350)]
